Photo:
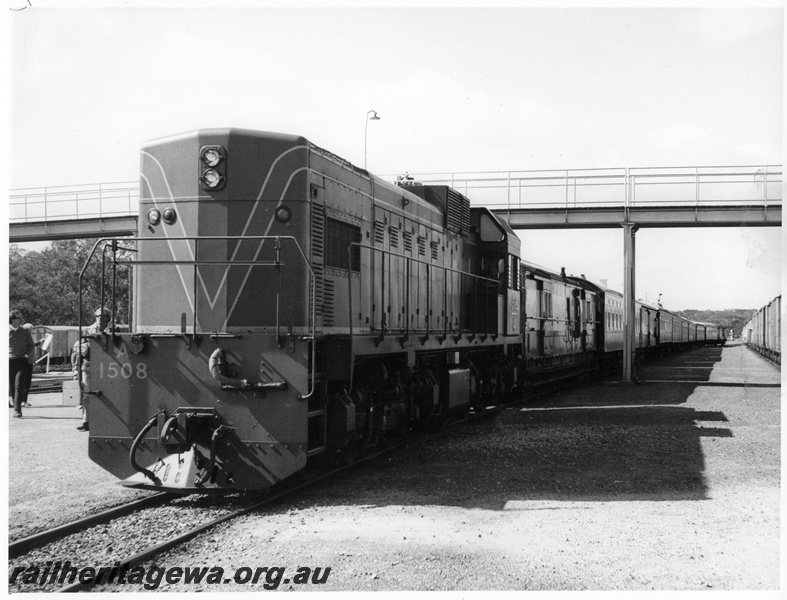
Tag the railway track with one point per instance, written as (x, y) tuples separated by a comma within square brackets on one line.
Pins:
[(22, 546), (136, 557)]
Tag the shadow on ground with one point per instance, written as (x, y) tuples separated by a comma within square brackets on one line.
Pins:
[(695, 366), (603, 443)]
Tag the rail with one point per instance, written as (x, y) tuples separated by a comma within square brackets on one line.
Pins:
[(756, 185)]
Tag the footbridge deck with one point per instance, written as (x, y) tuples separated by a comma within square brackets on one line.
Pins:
[(587, 198)]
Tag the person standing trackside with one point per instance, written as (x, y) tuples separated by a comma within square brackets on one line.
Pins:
[(20, 346), (31, 361), (82, 347)]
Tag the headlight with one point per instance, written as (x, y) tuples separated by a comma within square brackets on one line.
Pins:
[(212, 178), (212, 167), (211, 156)]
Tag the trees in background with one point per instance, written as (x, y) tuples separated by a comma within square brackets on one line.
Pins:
[(44, 284), (733, 319)]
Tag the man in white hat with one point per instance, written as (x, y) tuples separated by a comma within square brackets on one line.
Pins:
[(82, 347)]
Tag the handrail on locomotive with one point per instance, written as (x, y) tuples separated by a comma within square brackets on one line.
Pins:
[(409, 260), (195, 335)]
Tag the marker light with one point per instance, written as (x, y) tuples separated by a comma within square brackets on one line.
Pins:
[(154, 216), (169, 216), (283, 214)]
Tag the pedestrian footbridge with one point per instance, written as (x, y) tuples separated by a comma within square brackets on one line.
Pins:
[(579, 198), (647, 197)]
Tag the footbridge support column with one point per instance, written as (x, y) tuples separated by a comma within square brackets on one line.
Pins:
[(629, 301)]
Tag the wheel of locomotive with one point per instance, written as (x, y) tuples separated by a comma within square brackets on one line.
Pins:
[(348, 453), (440, 417), (382, 432), (424, 411), (423, 399)]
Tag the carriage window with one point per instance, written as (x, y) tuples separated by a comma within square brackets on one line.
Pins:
[(339, 236), (546, 305)]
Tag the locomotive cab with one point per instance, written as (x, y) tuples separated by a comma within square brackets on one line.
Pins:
[(498, 251)]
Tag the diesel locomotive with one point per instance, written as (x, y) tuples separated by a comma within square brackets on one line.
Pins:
[(292, 311)]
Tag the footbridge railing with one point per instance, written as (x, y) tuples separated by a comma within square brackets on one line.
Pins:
[(759, 185)]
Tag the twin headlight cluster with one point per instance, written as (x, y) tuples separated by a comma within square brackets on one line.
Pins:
[(212, 167)]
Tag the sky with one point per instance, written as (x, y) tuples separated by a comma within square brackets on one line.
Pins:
[(457, 89)]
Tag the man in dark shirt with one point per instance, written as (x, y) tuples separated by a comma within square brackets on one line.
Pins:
[(20, 346)]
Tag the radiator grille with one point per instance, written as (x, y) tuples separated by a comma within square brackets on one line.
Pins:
[(379, 232), (408, 241), (328, 303), (457, 214)]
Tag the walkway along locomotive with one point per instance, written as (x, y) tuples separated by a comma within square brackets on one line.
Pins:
[(293, 310)]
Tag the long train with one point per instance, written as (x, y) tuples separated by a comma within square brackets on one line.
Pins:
[(291, 311), (762, 333)]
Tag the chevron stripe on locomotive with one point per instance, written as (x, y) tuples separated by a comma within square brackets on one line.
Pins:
[(292, 311)]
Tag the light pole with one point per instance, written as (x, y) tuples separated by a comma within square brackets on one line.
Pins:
[(374, 117)]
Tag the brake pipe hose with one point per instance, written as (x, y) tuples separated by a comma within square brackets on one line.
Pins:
[(133, 452)]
